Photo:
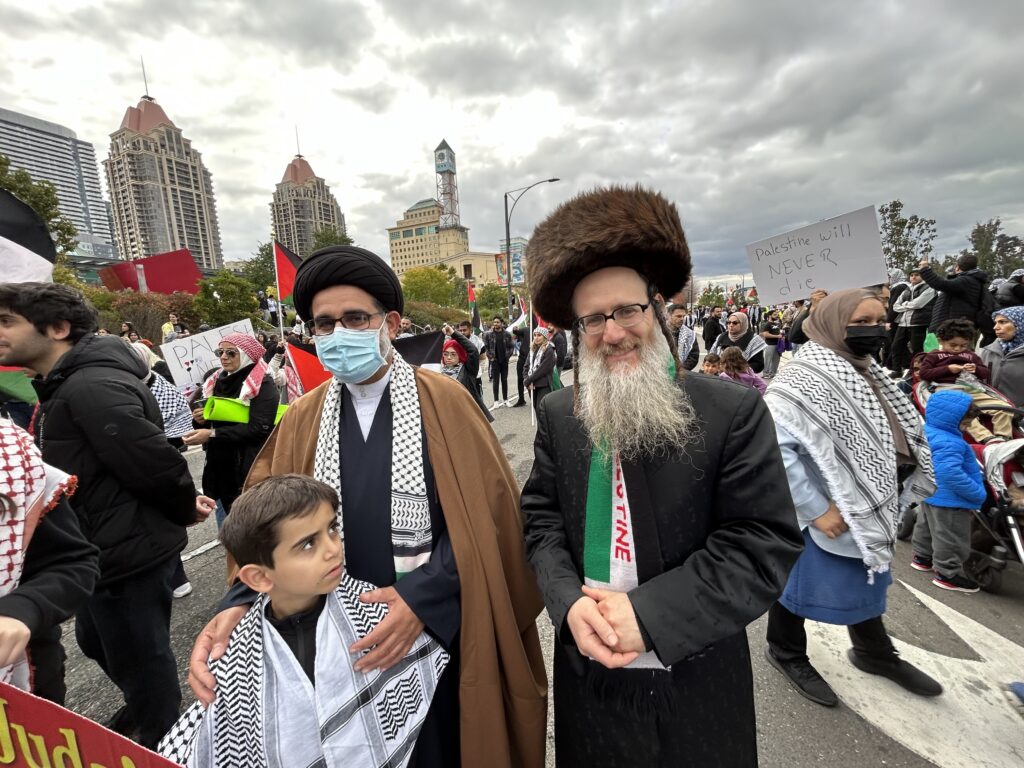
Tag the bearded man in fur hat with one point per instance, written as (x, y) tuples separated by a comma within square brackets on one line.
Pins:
[(447, 556), (658, 517)]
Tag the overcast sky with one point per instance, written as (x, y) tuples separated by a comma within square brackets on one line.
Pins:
[(754, 117)]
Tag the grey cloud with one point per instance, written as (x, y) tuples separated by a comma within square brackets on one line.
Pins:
[(373, 98), (315, 32)]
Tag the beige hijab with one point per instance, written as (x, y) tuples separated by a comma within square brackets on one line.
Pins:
[(827, 326)]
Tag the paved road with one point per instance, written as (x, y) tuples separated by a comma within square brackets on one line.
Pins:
[(972, 649)]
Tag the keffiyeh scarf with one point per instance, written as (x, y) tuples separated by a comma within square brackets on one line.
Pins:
[(177, 416), (824, 402), (684, 342), (750, 349), (250, 353), (268, 715), (28, 490), (411, 538)]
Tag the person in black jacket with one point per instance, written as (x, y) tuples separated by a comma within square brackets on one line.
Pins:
[(1011, 292), (714, 326), (231, 446), (960, 294), (541, 361), (657, 515), (522, 336), (499, 345), (58, 570), (98, 421), (460, 360)]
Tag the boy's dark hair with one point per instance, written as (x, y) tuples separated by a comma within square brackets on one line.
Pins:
[(712, 358), (967, 262), (252, 530), (956, 327), (46, 304)]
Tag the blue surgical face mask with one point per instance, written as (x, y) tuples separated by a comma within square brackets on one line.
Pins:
[(353, 356)]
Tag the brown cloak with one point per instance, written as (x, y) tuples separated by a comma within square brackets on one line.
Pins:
[(502, 683)]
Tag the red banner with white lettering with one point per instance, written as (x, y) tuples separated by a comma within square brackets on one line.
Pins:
[(34, 731)]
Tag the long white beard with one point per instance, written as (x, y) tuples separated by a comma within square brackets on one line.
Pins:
[(637, 411)]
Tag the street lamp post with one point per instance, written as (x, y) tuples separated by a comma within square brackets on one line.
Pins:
[(508, 240)]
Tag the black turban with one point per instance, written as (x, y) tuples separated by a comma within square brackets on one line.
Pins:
[(346, 265)]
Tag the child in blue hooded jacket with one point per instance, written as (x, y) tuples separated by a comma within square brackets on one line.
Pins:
[(942, 535)]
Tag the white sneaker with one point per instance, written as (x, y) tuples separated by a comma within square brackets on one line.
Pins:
[(184, 589)]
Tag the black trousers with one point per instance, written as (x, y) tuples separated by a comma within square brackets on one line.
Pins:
[(47, 656), (125, 628), (499, 373), (787, 637), (908, 342)]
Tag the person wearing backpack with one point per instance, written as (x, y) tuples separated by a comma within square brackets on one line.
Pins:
[(962, 295), (1011, 292)]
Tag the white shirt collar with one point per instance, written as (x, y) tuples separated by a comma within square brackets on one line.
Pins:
[(370, 391)]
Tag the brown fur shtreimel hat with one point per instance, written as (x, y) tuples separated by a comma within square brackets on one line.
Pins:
[(611, 227)]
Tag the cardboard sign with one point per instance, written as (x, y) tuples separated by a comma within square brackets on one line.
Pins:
[(843, 252), (189, 358), (34, 731)]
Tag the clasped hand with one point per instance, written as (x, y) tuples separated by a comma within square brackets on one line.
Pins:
[(605, 628)]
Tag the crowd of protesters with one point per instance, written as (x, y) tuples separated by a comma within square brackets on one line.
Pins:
[(773, 442)]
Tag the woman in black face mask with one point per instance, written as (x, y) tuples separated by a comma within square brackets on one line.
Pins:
[(847, 436)]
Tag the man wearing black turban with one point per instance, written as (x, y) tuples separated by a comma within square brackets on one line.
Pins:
[(447, 556)]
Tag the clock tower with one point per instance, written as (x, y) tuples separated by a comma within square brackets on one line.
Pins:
[(447, 186)]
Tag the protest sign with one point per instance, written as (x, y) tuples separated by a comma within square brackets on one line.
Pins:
[(837, 253), (34, 731), (189, 358)]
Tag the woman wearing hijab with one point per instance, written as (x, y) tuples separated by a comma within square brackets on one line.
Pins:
[(231, 447), (1005, 356), (738, 333), (847, 435), (540, 367), (460, 360)]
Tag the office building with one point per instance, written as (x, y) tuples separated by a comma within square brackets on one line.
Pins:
[(303, 204)]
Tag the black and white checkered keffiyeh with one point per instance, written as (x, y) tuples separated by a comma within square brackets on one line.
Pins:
[(268, 715), (411, 538), (174, 408), (823, 401)]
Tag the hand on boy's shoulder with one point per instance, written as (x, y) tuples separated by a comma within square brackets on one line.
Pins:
[(392, 639)]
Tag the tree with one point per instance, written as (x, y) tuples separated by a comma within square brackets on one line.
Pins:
[(259, 270), (459, 287), (225, 298), (41, 197), (491, 300), (905, 241), (327, 236), (712, 296), (428, 284), (998, 254)]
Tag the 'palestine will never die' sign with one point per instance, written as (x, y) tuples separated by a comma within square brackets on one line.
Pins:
[(843, 252)]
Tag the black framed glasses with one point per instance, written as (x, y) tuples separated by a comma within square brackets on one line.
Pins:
[(228, 353), (624, 317), (353, 321)]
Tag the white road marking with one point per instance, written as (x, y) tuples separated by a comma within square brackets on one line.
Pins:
[(969, 726), (200, 550)]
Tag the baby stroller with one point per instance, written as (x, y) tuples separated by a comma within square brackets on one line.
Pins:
[(996, 527)]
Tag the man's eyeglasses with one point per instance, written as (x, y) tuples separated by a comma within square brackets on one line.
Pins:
[(353, 321), (228, 353), (624, 317)]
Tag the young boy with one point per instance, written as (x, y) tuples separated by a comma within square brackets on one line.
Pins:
[(288, 676), (953, 358), (942, 534), (712, 364)]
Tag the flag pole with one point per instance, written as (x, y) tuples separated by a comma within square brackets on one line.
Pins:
[(529, 328), (277, 288)]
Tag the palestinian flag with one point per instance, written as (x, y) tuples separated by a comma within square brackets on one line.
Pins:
[(473, 311), (286, 264)]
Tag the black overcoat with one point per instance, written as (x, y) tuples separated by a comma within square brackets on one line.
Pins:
[(716, 535)]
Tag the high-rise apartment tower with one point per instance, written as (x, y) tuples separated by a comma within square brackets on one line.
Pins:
[(160, 192)]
